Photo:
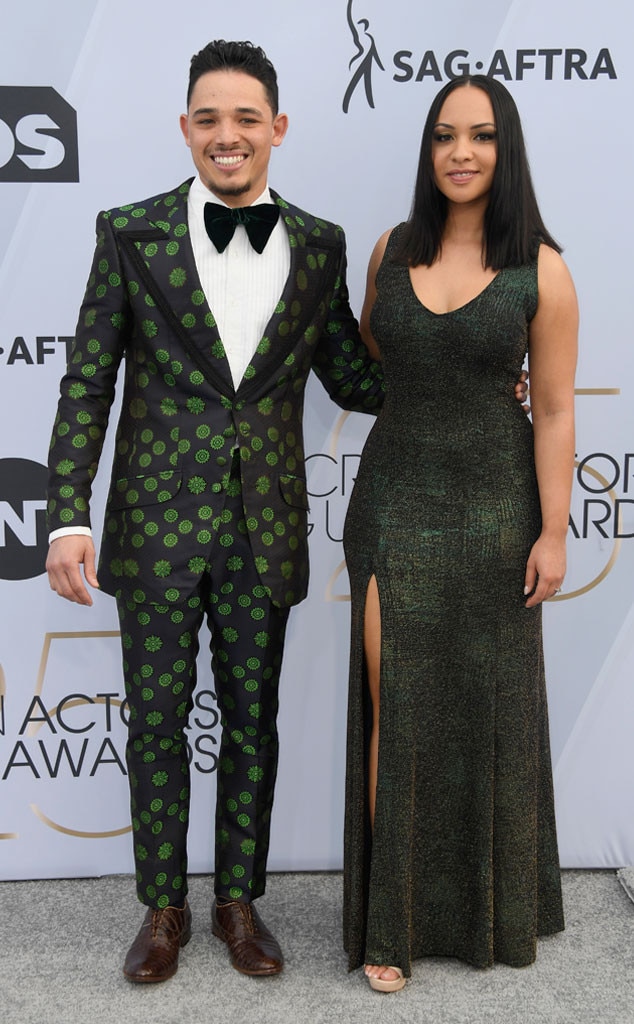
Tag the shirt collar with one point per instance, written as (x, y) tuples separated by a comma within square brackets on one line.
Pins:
[(199, 194)]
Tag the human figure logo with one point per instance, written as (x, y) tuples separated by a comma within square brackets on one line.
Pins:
[(365, 58)]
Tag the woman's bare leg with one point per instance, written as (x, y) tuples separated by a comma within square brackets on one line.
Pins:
[(372, 651)]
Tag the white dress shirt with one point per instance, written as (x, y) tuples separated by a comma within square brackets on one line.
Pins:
[(241, 286)]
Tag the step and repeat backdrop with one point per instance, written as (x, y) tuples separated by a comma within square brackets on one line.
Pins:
[(90, 95)]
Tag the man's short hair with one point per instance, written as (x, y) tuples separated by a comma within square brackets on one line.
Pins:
[(220, 55)]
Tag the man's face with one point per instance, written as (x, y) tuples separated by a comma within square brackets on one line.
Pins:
[(230, 129)]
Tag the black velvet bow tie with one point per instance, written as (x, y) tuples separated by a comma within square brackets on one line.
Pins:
[(259, 221)]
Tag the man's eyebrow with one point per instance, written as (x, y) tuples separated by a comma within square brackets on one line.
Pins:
[(237, 110)]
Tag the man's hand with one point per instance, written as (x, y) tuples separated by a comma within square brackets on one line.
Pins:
[(65, 555), (521, 391)]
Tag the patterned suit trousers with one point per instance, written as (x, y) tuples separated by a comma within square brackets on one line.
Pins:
[(160, 645)]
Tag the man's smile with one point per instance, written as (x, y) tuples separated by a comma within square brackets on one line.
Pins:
[(226, 160)]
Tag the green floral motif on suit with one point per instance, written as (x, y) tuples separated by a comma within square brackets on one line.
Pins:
[(206, 511), (181, 415)]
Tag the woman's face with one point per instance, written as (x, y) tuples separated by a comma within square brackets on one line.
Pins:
[(464, 145)]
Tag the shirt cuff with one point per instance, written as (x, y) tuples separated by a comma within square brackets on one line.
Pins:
[(70, 531)]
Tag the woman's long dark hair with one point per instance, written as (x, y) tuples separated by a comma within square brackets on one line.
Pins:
[(513, 227)]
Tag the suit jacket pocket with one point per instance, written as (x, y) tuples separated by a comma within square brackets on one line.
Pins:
[(133, 491), (293, 490)]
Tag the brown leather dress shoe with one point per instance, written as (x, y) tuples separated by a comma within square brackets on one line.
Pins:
[(153, 956), (252, 948)]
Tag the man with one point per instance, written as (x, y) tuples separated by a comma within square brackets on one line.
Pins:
[(206, 514)]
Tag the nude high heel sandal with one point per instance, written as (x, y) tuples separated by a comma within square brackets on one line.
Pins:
[(393, 985)]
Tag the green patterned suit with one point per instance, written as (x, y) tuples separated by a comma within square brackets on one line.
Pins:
[(207, 508)]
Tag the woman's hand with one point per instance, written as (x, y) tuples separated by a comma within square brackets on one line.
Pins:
[(545, 569), (521, 391)]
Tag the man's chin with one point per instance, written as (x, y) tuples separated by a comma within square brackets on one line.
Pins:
[(228, 190)]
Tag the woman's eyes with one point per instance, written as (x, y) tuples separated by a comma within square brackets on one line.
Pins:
[(479, 137)]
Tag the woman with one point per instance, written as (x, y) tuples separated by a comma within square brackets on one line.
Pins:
[(455, 535)]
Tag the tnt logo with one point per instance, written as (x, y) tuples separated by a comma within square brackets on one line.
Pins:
[(23, 532), (38, 135)]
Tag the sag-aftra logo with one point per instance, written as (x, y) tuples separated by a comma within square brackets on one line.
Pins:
[(419, 60)]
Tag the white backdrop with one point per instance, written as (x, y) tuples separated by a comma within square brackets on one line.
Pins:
[(123, 69)]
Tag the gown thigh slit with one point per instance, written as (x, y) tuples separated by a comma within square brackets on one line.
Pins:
[(372, 665), (463, 858), (372, 628)]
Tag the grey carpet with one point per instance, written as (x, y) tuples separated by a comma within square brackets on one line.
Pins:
[(63, 943), (626, 878)]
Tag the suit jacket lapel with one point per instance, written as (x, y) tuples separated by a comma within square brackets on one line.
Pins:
[(162, 252), (312, 256), (165, 260)]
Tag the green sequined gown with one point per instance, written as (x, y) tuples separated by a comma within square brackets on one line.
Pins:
[(463, 861)]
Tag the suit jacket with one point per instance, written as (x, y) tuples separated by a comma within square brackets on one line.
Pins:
[(181, 416)]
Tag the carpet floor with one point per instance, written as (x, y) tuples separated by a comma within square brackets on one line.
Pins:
[(63, 944)]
